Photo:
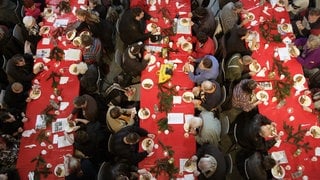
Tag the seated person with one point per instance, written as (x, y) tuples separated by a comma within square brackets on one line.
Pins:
[(32, 9), (32, 32), (79, 168), (254, 165), (118, 118), (9, 45), (206, 128), (88, 75), (9, 149), (87, 104), (203, 21), (204, 46), (236, 67), (124, 144), (16, 97), (235, 42), (10, 173), (211, 163), (91, 49), (208, 95), (309, 52), (307, 23), (243, 96), (133, 62), (207, 69), (255, 132), (9, 124), (295, 7)]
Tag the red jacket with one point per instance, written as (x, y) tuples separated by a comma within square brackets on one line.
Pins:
[(208, 48)]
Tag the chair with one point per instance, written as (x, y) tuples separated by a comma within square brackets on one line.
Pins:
[(216, 44), (225, 125), (223, 99), (109, 143), (229, 163), (234, 145), (18, 11), (18, 34)]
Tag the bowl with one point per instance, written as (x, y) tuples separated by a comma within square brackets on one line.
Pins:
[(187, 97), (304, 100), (255, 67)]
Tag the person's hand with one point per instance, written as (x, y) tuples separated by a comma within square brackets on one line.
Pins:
[(244, 21), (194, 158), (24, 119), (28, 99), (190, 14), (69, 117), (196, 102), (142, 171), (196, 173), (147, 56), (154, 19), (196, 91), (186, 67), (152, 136), (191, 59)]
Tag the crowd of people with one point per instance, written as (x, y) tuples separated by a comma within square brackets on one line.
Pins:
[(108, 129)]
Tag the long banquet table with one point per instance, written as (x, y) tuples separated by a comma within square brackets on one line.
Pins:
[(49, 151), (296, 166), (184, 147)]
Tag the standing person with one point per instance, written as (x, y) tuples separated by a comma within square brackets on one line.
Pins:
[(132, 26)]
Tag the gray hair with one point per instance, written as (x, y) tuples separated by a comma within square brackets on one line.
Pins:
[(208, 165), (207, 85), (313, 42)]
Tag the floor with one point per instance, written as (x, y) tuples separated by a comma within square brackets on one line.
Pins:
[(115, 70)]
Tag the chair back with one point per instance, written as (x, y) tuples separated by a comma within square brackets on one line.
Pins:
[(216, 44), (229, 163), (18, 34), (18, 11), (104, 171), (225, 125), (109, 144)]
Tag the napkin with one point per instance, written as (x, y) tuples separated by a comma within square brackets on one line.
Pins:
[(72, 54), (175, 118), (177, 99), (63, 80), (284, 54), (27, 133), (43, 53), (280, 156), (188, 177), (40, 122), (63, 105), (63, 141), (46, 41), (31, 175), (60, 22), (317, 151), (183, 29)]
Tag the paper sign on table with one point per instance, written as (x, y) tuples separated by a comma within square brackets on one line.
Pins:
[(72, 54), (59, 125), (45, 41), (43, 53), (317, 151), (187, 117), (280, 156), (40, 122), (181, 164), (81, 1), (60, 22), (183, 29), (63, 141), (177, 99), (175, 118), (63, 80), (188, 177), (63, 105), (284, 54)]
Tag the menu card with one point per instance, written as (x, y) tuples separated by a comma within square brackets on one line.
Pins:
[(72, 54), (40, 122), (63, 141), (43, 53), (280, 156), (60, 22), (175, 118), (284, 54), (59, 125)]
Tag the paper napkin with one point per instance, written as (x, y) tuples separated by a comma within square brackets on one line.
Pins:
[(177, 99), (63, 80), (46, 41), (175, 118)]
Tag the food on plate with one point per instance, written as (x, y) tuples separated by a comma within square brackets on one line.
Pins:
[(70, 35), (298, 79), (250, 16), (188, 163), (285, 27), (188, 98), (76, 41), (147, 85), (263, 96), (184, 21), (71, 124), (255, 66), (315, 131), (145, 112), (302, 100), (59, 171), (294, 51), (185, 45), (148, 143)]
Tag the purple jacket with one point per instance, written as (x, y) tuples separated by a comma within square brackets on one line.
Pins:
[(308, 59)]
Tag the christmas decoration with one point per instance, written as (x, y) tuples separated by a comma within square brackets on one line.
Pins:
[(165, 96), (53, 76), (40, 167), (296, 138), (269, 30), (43, 136), (163, 125)]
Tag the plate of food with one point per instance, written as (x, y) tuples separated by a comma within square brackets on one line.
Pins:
[(190, 166), (147, 143), (262, 95), (152, 60), (285, 27), (45, 29), (70, 126), (250, 16), (255, 66), (38, 66), (304, 100), (315, 132), (299, 79), (73, 69), (147, 83), (278, 172), (76, 41), (85, 33), (35, 93), (190, 66), (70, 35), (187, 97), (151, 27), (186, 46), (256, 45), (294, 51), (144, 113), (59, 170), (185, 21), (152, 2), (48, 12)]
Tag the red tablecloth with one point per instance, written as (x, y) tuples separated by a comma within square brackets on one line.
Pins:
[(301, 117), (35, 107), (183, 147)]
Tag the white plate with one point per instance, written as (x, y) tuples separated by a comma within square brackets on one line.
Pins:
[(278, 172), (250, 16), (185, 21), (147, 83), (48, 12), (294, 51), (304, 100), (285, 27), (262, 96), (76, 41), (255, 67), (73, 69), (299, 79), (191, 167), (191, 68), (146, 176), (61, 167), (152, 60), (147, 143), (70, 35), (186, 46), (187, 97), (315, 132), (151, 27), (144, 113), (68, 128), (85, 33), (45, 29), (32, 95)]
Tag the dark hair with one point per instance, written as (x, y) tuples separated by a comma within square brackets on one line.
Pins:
[(207, 63), (242, 31), (115, 112), (86, 40), (136, 11), (268, 162), (28, 3), (81, 137), (17, 58), (200, 12), (80, 100), (249, 86), (314, 11), (132, 137), (202, 37), (4, 116)]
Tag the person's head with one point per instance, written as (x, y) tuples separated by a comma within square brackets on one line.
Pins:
[(4, 176), (200, 13), (314, 14), (16, 87), (86, 40), (313, 42), (237, 7), (246, 60), (29, 21), (268, 162), (262, 126), (137, 13), (6, 117), (18, 60), (132, 138), (81, 137), (202, 37), (115, 112), (135, 48), (208, 86), (93, 3), (205, 63), (84, 15), (207, 165), (80, 102), (28, 4), (249, 86), (193, 125), (72, 165)]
